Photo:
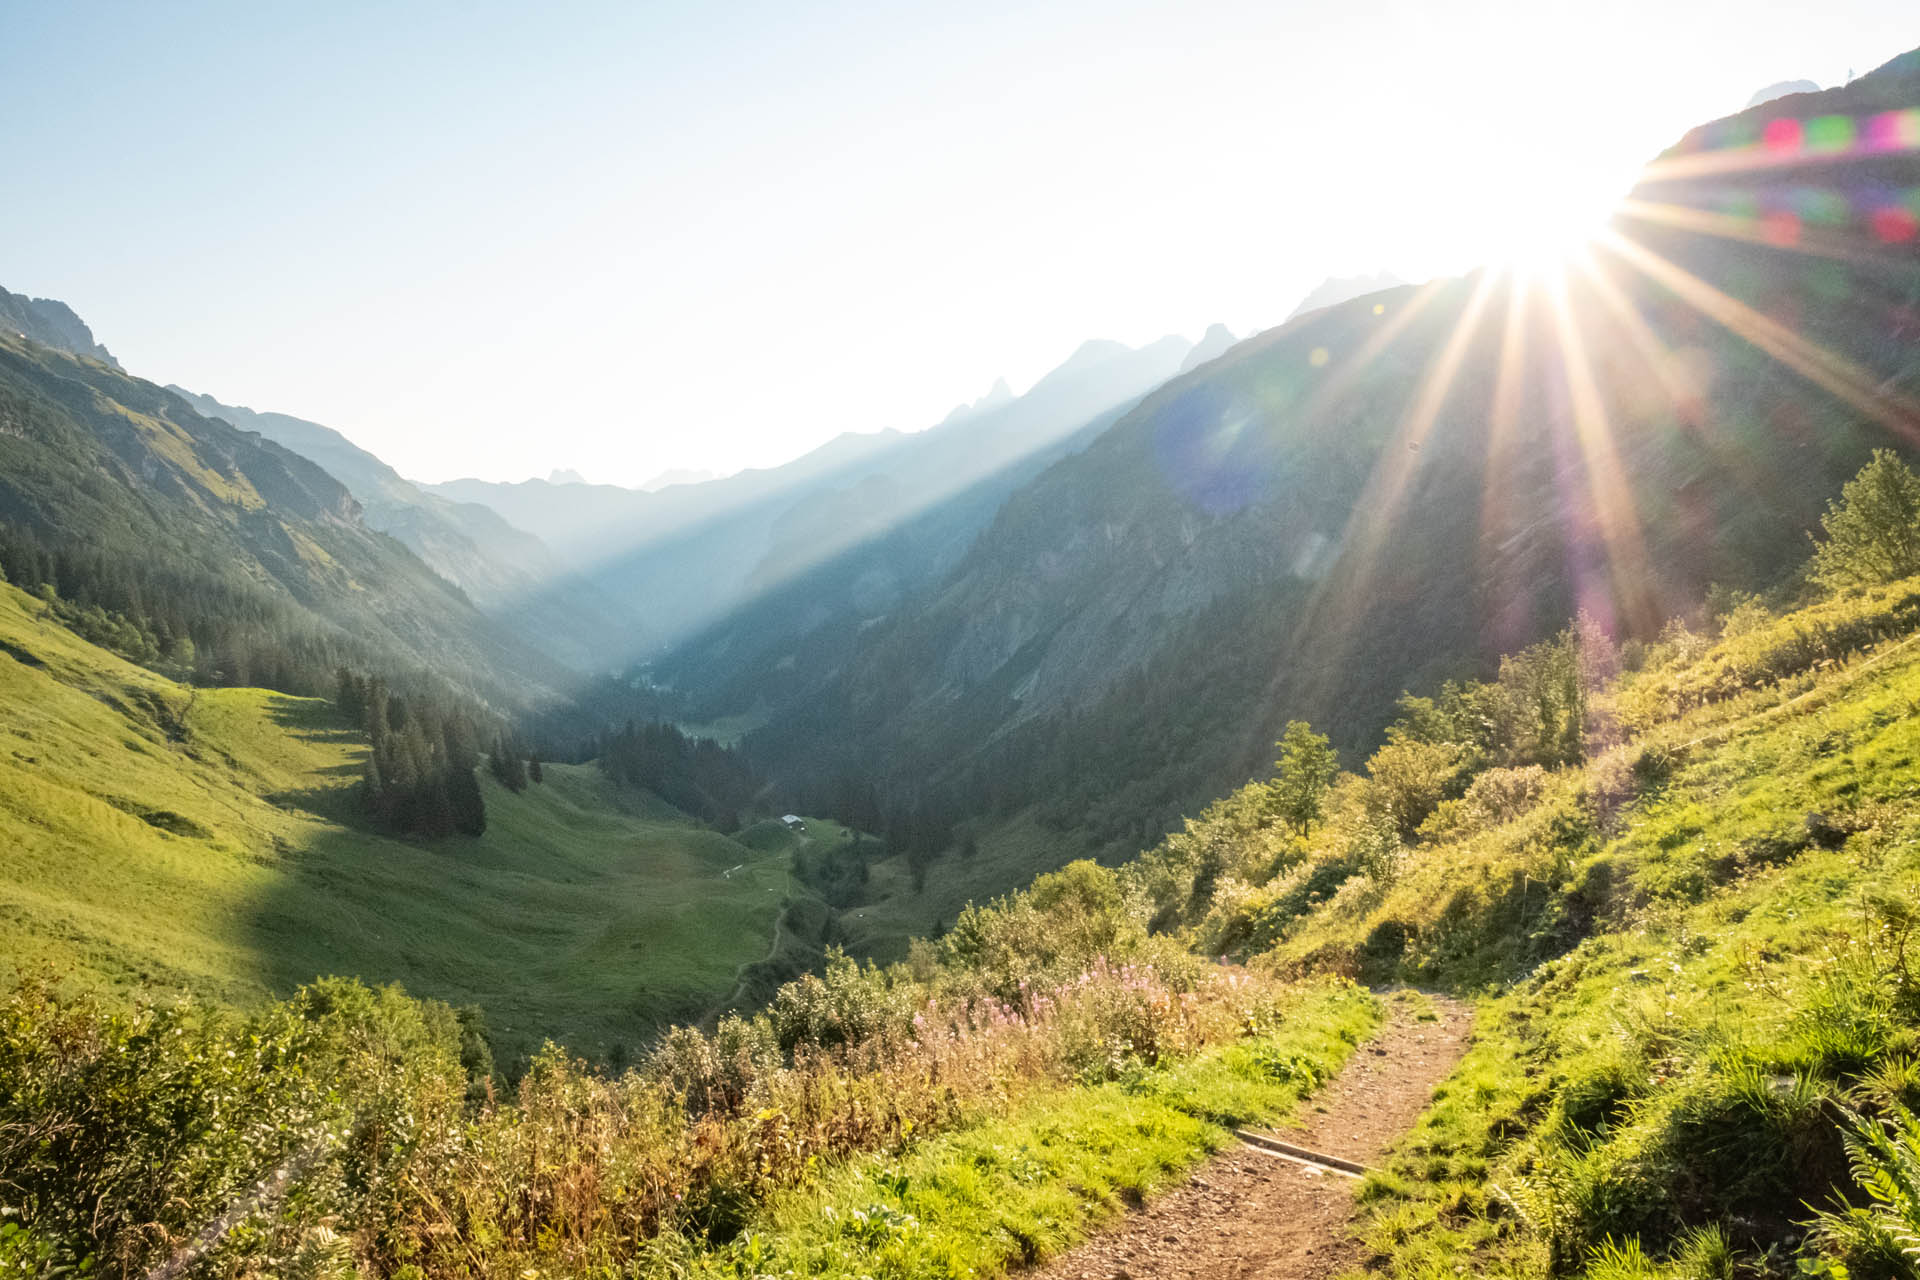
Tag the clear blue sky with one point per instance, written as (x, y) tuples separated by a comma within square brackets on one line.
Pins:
[(489, 239)]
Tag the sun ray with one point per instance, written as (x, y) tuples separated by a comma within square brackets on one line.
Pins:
[(1839, 376), (1793, 236), (1688, 403), (1500, 532), (1614, 508), (1345, 371), (1358, 549)]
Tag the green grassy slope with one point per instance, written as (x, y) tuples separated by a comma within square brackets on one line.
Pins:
[(1695, 957), (152, 835), (891, 912), (1673, 1087)]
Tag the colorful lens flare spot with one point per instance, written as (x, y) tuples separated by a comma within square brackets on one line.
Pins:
[(1781, 228), (1829, 134), (1895, 225), (1821, 206), (1784, 136), (1894, 131), (1320, 355), (1379, 308)]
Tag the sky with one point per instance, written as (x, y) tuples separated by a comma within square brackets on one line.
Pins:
[(619, 237)]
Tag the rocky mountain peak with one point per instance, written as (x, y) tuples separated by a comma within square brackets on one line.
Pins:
[(51, 323)]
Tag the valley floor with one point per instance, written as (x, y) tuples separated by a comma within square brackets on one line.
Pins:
[(164, 839)]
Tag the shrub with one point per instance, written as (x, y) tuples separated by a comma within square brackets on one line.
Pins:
[(339, 1121), (1498, 796)]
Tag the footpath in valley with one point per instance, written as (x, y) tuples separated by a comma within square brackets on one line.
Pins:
[(1252, 1215)]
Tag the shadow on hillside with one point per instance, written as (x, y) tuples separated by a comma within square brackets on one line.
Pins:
[(339, 803), (313, 720), (446, 921)]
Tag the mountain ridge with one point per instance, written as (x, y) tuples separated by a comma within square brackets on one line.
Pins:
[(51, 323), (98, 464), (1304, 526), (508, 573), (696, 552)]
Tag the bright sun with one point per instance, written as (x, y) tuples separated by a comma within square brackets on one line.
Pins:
[(1546, 214)]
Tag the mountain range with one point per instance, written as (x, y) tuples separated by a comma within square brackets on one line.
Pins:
[(694, 552), (216, 533), (1387, 492), (508, 573), (1574, 913), (1100, 600)]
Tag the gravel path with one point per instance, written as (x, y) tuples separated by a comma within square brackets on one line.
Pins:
[(1253, 1216)]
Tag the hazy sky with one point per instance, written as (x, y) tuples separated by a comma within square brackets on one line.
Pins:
[(489, 239)]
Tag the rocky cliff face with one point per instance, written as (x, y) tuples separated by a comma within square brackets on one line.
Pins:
[(51, 323)]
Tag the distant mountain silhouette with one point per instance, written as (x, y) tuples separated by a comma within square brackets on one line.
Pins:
[(1335, 290), (1781, 90), (692, 553), (669, 478), (999, 394), (1212, 344)]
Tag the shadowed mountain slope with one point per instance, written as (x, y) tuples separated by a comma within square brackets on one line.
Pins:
[(507, 572), (1395, 490), (109, 469)]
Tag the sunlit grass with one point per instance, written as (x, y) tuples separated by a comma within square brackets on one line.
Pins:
[(152, 836)]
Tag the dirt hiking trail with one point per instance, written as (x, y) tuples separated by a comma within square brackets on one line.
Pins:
[(1249, 1215)]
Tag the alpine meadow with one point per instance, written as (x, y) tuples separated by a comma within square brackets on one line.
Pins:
[(1421, 780)]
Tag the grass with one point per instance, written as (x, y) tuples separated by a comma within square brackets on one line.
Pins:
[(1678, 1005), (156, 837), (1021, 1187), (892, 912)]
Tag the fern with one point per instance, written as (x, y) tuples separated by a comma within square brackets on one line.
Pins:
[(323, 1254), (1884, 1158)]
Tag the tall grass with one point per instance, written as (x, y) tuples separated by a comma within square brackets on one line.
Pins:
[(341, 1124)]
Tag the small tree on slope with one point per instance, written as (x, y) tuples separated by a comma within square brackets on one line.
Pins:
[(1873, 532), (1307, 767)]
